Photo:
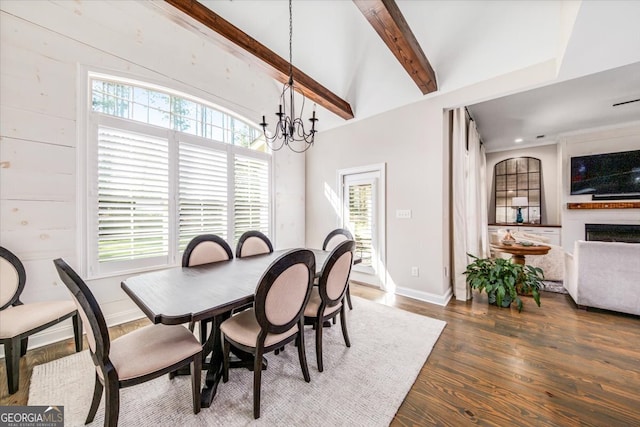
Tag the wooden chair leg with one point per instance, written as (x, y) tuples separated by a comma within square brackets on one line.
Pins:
[(112, 400), (257, 380), (95, 402), (302, 355), (24, 343), (319, 345), (12, 349), (203, 331), (349, 298), (77, 331), (196, 376), (225, 361), (343, 323)]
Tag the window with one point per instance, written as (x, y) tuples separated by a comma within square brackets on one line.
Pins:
[(518, 177), (163, 168)]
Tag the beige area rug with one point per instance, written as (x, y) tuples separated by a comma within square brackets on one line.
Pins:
[(361, 386)]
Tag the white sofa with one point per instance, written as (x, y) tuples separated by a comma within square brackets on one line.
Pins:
[(604, 275)]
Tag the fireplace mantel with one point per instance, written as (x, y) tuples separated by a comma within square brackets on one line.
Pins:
[(604, 205)]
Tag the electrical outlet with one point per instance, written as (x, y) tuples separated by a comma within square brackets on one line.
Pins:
[(415, 272), (403, 213)]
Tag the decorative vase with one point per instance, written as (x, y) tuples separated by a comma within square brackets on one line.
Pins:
[(508, 238)]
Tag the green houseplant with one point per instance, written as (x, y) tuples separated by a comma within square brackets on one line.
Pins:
[(503, 280)]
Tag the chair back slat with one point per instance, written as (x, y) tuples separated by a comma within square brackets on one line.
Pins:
[(205, 249), (283, 291), (90, 312), (12, 278)]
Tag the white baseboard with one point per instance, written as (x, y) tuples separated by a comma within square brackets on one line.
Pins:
[(426, 296)]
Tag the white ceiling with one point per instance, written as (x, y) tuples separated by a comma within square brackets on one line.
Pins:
[(540, 115), (466, 42)]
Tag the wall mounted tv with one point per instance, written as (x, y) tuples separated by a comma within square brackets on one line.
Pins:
[(607, 176)]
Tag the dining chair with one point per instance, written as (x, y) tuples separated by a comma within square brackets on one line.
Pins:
[(327, 299), (333, 239), (277, 317), (18, 321), (142, 355), (252, 243), (205, 249)]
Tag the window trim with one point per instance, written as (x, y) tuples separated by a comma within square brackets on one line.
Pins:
[(87, 131)]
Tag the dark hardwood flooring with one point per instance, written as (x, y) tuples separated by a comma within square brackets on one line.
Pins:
[(556, 365)]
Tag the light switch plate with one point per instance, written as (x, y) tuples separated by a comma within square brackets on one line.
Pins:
[(403, 213)]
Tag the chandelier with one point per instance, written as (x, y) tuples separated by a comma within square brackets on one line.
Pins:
[(290, 129)]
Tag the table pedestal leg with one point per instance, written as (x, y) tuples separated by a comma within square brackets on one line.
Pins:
[(215, 364), (517, 259)]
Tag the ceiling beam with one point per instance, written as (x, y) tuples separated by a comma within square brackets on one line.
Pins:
[(253, 52), (385, 17)]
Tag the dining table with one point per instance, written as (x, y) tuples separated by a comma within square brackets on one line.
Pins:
[(179, 295)]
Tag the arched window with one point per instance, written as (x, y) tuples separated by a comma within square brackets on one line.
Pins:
[(164, 167), (518, 177)]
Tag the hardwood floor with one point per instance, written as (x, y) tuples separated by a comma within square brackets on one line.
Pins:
[(555, 365)]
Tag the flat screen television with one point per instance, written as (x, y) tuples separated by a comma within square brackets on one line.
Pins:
[(612, 175)]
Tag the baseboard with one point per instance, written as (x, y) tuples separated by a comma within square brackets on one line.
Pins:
[(426, 296), (64, 330)]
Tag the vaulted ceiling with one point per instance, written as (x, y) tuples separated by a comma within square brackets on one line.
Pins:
[(337, 45)]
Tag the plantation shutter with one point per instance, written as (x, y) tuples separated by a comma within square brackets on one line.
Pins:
[(251, 202), (202, 202), (360, 219), (133, 196)]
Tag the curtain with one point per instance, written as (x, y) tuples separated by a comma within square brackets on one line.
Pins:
[(469, 194)]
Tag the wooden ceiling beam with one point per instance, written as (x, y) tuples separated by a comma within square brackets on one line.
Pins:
[(253, 52), (385, 17)]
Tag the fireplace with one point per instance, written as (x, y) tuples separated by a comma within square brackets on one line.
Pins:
[(629, 233)]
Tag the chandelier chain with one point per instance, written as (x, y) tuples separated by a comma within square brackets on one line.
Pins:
[(290, 38)]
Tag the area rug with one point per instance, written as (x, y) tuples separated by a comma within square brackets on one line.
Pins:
[(361, 386)]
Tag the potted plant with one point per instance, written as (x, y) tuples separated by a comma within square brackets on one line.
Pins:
[(504, 281)]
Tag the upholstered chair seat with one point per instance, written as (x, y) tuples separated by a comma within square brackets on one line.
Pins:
[(244, 328), (311, 310), (18, 319), (149, 349)]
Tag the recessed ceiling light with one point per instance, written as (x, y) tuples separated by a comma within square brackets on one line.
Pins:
[(518, 140)]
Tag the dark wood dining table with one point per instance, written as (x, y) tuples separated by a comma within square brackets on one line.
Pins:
[(188, 294)]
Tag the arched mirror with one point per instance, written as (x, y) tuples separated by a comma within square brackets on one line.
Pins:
[(518, 185)]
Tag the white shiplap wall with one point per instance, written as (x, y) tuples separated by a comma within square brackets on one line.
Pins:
[(46, 47)]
